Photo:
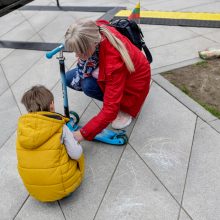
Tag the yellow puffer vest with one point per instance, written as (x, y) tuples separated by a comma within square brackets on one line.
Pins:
[(47, 171)]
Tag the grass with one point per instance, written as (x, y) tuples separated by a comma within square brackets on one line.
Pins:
[(213, 110), (185, 90), (199, 66), (202, 64)]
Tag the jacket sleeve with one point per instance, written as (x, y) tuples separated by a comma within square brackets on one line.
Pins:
[(73, 148), (113, 94)]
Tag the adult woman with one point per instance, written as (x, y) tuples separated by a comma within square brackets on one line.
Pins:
[(123, 76)]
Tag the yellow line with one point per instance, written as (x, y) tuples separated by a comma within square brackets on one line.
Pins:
[(173, 15)]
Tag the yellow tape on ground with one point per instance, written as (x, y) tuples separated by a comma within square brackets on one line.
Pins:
[(173, 15)]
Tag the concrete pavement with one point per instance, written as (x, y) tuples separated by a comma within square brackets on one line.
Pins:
[(169, 169)]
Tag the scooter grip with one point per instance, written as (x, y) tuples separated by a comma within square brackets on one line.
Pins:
[(51, 53)]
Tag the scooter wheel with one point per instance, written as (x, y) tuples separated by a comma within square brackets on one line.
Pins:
[(125, 138), (74, 116)]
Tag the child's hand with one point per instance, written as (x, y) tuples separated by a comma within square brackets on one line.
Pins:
[(77, 135)]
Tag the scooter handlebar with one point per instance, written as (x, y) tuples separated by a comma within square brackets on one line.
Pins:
[(51, 53)]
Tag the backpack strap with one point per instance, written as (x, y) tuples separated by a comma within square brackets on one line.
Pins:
[(147, 52), (125, 27)]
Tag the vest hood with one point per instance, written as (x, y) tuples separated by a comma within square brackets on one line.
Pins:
[(34, 129)]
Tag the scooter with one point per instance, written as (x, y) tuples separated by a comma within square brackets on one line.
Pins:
[(106, 136)]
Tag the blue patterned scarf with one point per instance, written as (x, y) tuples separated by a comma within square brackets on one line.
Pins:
[(85, 69)]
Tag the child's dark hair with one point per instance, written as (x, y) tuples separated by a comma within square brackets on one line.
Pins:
[(38, 98)]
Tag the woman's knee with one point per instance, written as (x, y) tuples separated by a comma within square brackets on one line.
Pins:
[(69, 76), (86, 86), (91, 88)]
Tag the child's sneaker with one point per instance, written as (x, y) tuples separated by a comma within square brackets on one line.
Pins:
[(122, 120)]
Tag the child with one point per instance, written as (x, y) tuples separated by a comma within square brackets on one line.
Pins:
[(50, 160)]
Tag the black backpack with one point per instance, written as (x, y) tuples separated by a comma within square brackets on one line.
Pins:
[(132, 31)]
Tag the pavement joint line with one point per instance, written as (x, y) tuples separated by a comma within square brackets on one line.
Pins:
[(180, 64), (116, 167), (12, 28), (202, 4), (61, 209), (86, 108), (25, 45), (173, 95), (24, 73), (188, 165), (22, 205), (177, 41), (186, 213), (9, 88), (8, 85), (204, 36), (28, 21), (190, 108), (96, 104), (155, 175), (9, 137)]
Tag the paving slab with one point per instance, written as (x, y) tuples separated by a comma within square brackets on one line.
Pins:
[(183, 98), (202, 188), (35, 210), (55, 30), (13, 194), (4, 52), (27, 14), (215, 124), (35, 38), (12, 20), (135, 193), (179, 51), (78, 101), (101, 160), (184, 216), (39, 20), (162, 136), (21, 32), (85, 15), (44, 72), (205, 6), (170, 35), (18, 62), (173, 66), (202, 30), (51, 33), (148, 28), (215, 36), (3, 83), (42, 2), (9, 114), (177, 5)]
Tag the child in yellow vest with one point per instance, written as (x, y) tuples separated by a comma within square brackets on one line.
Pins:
[(50, 160)]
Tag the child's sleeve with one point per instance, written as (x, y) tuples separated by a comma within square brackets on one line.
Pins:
[(73, 148)]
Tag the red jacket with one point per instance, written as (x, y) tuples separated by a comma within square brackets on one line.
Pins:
[(122, 90)]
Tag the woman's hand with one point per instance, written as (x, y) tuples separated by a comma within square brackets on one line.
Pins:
[(77, 135)]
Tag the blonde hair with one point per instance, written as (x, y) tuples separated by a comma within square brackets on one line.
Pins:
[(38, 98), (82, 35)]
